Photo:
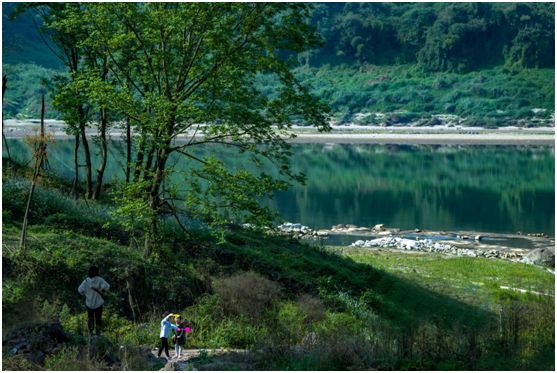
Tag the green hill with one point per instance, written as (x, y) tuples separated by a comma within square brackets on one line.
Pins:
[(380, 63)]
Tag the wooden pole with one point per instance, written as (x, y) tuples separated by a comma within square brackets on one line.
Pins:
[(40, 154)]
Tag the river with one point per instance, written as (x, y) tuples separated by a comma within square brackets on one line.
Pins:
[(488, 188)]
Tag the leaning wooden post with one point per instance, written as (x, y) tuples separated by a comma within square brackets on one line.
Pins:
[(40, 155)]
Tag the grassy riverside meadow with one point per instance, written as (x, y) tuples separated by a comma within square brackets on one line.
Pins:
[(267, 293)]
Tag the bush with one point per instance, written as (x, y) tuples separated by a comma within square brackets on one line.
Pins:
[(74, 358), (289, 325), (18, 362), (247, 294), (311, 307)]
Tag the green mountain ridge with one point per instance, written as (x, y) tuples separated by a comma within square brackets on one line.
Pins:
[(490, 63)]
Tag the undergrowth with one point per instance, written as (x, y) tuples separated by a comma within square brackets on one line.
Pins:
[(295, 306)]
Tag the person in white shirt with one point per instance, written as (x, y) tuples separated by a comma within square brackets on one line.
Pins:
[(93, 288), (166, 327)]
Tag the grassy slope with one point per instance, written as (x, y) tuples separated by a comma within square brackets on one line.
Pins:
[(475, 281), (402, 293)]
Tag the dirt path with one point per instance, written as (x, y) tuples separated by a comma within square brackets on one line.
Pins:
[(209, 359)]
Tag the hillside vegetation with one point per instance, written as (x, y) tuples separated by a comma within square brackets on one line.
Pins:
[(295, 306), (383, 63)]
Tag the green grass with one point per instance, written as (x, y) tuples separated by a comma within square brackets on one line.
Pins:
[(382, 310), (475, 281)]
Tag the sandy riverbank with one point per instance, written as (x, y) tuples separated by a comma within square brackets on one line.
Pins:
[(431, 139), (438, 135)]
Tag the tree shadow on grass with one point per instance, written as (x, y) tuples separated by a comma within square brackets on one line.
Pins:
[(303, 268)]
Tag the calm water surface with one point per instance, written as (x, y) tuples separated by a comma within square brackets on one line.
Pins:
[(486, 188)]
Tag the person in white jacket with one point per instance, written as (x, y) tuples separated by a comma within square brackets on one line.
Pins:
[(166, 327), (93, 288)]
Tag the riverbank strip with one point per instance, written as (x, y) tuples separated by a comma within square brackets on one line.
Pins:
[(436, 135), (384, 139), (427, 139)]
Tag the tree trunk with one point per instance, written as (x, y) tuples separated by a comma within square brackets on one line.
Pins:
[(40, 155), (139, 160), (6, 143), (4, 85), (128, 150), (75, 184), (104, 154), (148, 163), (154, 197), (86, 153)]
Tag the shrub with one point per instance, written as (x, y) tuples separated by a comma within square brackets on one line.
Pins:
[(311, 307), (337, 344), (19, 362), (247, 294), (132, 358), (289, 324), (234, 333), (75, 359)]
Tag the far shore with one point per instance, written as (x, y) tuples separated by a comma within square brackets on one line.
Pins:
[(352, 134), (428, 139)]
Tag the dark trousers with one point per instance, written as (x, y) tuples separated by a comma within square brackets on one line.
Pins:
[(164, 345), (94, 319)]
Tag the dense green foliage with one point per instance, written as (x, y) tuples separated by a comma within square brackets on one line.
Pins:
[(25, 86), (439, 36), (419, 58), (299, 307), (404, 94)]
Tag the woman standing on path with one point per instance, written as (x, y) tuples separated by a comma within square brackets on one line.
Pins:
[(166, 326), (93, 288)]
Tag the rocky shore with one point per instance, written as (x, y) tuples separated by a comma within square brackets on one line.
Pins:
[(298, 230), (536, 248)]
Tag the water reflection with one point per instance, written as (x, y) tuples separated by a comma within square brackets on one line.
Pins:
[(487, 188)]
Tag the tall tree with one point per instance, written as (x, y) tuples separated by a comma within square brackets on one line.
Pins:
[(63, 32), (187, 82)]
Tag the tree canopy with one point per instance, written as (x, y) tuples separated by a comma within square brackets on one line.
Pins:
[(183, 74), (439, 36)]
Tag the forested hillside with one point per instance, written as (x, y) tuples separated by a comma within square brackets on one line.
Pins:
[(438, 36), (489, 64)]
